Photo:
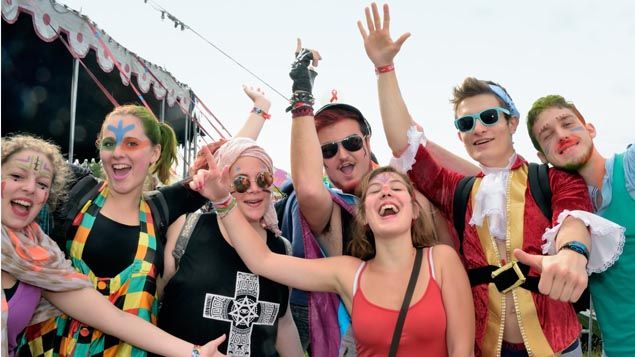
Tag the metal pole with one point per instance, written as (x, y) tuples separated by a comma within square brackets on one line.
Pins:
[(186, 147), (163, 110), (195, 138), (71, 140), (196, 125)]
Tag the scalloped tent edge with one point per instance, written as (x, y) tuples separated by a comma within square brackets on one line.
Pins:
[(50, 18)]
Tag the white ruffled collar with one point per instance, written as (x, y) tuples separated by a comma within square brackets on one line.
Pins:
[(491, 199)]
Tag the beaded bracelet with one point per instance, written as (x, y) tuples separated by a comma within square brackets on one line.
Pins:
[(302, 111), (577, 247), (224, 211)]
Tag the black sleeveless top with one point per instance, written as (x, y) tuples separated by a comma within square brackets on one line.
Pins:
[(213, 293)]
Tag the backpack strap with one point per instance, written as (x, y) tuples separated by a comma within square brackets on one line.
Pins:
[(184, 236), (160, 212), (287, 246), (461, 196), (83, 190), (540, 188)]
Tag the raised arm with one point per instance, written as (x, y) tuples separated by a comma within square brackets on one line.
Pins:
[(258, 114), (93, 309), (329, 274), (306, 156), (381, 50), (396, 119)]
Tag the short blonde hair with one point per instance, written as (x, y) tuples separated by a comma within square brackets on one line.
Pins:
[(14, 144)]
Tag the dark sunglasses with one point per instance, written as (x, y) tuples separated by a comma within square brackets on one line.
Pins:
[(351, 143), (488, 117), (241, 183)]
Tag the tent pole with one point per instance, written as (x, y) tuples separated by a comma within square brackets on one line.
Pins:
[(186, 147), (163, 110), (71, 140)]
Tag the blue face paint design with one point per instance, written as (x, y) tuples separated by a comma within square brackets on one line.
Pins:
[(577, 128), (120, 131)]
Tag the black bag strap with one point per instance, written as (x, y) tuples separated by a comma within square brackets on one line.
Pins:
[(184, 236), (540, 188), (396, 336), (160, 212), (461, 196)]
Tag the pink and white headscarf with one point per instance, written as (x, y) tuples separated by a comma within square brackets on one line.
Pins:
[(236, 148)]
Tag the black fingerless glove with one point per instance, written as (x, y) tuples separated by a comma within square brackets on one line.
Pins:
[(301, 74)]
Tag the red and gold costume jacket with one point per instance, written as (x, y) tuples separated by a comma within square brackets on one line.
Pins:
[(548, 326)]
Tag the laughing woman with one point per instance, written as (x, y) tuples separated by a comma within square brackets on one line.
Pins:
[(391, 237), (114, 237)]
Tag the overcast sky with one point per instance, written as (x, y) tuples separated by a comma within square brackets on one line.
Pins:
[(581, 49)]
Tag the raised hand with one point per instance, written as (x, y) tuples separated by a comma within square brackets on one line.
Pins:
[(210, 349), (211, 183), (258, 97), (563, 276), (380, 47), (301, 73)]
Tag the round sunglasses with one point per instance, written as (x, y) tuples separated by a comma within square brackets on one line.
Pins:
[(241, 183), (351, 143), (488, 117)]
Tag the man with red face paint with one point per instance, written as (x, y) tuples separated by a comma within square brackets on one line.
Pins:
[(563, 138)]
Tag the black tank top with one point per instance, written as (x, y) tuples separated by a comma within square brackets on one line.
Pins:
[(213, 293), (111, 247)]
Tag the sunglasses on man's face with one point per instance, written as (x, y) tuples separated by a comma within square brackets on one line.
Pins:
[(488, 117), (241, 183), (351, 143)]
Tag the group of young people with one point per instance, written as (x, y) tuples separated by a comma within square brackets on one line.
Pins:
[(406, 267)]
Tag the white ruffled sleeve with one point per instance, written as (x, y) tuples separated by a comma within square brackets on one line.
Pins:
[(607, 239), (404, 162)]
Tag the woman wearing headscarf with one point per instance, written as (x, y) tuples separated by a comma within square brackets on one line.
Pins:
[(213, 292)]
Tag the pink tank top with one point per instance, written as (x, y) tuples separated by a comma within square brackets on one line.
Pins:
[(423, 332)]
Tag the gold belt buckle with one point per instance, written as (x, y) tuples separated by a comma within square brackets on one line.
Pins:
[(519, 274)]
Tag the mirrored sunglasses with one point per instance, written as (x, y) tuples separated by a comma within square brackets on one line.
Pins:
[(488, 117), (241, 183), (351, 143)]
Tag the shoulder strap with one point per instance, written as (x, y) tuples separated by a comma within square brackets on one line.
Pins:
[(461, 196), (184, 236), (81, 192), (540, 188), (394, 345), (160, 212), (287, 245)]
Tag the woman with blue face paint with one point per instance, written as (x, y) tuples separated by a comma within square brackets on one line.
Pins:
[(112, 232)]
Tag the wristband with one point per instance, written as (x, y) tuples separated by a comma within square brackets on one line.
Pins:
[(224, 203), (196, 351), (385, 69), (261, 112), (577, 247), (303, 111), (224, 211)]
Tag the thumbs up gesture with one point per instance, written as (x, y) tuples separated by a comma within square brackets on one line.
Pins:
[(563, 276)]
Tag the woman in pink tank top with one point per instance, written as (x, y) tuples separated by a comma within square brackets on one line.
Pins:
[(390, 227)]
